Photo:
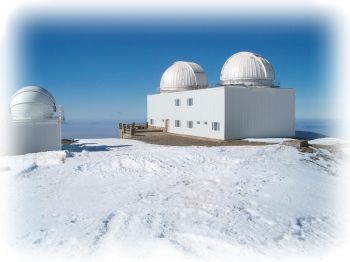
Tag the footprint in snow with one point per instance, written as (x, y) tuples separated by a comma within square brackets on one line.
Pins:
[(103, 227), (25, 172)]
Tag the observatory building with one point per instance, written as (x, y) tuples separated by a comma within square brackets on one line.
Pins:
[(245, 103), (35, 121)]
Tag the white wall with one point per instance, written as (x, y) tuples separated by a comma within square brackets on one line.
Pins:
[(259, 112), (34, 136), (241, 112), (208, 106)]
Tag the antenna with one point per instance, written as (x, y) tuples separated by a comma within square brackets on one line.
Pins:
[(60, 112)]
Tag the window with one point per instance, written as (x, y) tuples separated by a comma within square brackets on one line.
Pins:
[(151, 121), (190, 124), (215, 126), (198, 122), (190, 101), (177, 102), (177, 123), (205, 122)]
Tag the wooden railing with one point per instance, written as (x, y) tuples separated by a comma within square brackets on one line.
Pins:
[(136, 128), (132, 128)]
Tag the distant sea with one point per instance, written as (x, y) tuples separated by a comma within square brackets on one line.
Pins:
[(315, 128), (74, 129)]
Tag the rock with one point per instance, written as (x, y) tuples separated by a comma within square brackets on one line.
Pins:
[(68, 141), (306, 149), (301, 145), (296, 143)]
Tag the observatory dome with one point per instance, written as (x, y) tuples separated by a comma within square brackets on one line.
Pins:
[(32, 102), (248, 69), (182, 76)]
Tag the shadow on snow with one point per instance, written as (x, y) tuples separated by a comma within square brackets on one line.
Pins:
[(90, 147)]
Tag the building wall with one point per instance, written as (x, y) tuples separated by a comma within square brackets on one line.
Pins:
[(34, 136), (241, 112), (259, 112), (208, 106)]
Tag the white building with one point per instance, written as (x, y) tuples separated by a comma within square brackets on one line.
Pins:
[(35, 123), (245, 103)]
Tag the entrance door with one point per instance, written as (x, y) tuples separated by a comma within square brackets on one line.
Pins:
[(166, 126)]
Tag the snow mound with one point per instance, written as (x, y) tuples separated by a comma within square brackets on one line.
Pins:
[(268, 140), (141, 200), (328, 141)]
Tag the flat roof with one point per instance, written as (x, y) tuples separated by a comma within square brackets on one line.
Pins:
[(226, 86)]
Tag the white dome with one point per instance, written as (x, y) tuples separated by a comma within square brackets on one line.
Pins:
[(32, 102), (248, 69), (182, 76)]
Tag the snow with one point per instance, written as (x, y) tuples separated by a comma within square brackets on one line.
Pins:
[(328, 141), (268, 140), (140, 201)]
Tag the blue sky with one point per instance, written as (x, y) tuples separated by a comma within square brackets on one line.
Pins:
[(103, 69)]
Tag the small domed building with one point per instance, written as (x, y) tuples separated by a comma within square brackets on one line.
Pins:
[(35, 121), (245, 104)]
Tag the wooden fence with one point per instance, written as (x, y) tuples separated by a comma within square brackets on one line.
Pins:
[(136, 129)]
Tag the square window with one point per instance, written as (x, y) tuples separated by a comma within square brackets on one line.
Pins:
[(177, 123), (190, 124), (190, 101), (215, 126), (198, 122)]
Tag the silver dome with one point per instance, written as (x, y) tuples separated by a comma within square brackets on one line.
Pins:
[(248, 69), (32, 102), (182, 76)]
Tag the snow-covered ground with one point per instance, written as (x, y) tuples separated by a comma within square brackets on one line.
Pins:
[(141, 201), (328, 141), (268, 140)]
